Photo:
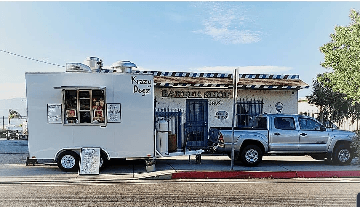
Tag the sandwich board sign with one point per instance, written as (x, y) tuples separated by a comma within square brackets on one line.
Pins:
[(90, 161)]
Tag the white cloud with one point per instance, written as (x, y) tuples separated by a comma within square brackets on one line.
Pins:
[(266, 69), (226, 23), (12, 90)]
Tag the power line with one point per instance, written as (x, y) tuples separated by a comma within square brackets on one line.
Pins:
[(30, 58)]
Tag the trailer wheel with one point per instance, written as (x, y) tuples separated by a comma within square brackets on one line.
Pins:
[(251, 155), (68, 161), (342, 155), (103, 160)]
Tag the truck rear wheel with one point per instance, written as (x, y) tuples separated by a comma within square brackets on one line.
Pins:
[(342, 155), (251, 155), (68, 161)]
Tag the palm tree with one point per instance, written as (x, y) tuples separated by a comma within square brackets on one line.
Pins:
[(13, 114)]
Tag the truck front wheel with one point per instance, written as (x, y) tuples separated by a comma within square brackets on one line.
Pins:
[(68, 161), (342, 155), (251, 155)]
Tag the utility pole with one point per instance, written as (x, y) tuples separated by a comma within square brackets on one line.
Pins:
[(235, 82)]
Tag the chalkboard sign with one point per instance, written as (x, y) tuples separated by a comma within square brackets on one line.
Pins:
[(54, 113), (113, 112)]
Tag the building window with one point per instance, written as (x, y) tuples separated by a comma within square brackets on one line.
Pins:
[(84, 106), (246, 111)]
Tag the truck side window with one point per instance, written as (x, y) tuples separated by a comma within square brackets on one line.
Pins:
[(261, 123), (84, 106), (284, 123), (309, 124)]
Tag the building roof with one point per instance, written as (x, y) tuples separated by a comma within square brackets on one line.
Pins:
[(209, 80)]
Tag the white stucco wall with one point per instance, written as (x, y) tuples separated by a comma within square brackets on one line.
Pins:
[(177, 100), (309, 109), (221, 100)]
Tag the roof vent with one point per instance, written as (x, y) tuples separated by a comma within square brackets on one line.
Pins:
[(77, 67), (94, 63), (123, 66)]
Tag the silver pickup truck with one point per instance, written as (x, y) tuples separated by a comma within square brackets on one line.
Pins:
[(287, 135)]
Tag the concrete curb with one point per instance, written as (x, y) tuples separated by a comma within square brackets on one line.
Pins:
[(253, 174)]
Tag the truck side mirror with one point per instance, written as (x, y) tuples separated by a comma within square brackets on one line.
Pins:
[(322, 128)]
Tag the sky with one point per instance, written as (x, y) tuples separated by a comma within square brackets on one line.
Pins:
[(257, 37)]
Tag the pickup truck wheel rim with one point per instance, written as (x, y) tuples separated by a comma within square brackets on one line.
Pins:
[(251, 156), (68, 161), (344, 155)]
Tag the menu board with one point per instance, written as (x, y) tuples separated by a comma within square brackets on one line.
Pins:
[(90, 161), (113, 112), (54, 113)]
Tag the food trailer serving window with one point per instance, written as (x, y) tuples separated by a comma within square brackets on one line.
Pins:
[(84, 106)]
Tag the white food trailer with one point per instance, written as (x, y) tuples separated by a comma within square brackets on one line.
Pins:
[(111, 110)]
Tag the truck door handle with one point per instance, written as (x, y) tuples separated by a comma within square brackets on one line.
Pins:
[(303, 134), (276, 133)]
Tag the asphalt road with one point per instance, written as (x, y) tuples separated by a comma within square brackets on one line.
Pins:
[(260, 192)]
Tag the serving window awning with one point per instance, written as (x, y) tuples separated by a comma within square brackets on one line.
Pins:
[(210, 80), (80, 87)]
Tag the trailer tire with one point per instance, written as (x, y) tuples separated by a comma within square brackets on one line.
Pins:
[(342, 155), (103, 160), (251, 155), (68, 161)]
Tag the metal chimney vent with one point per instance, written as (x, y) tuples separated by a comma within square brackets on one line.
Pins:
[(94, 63), (123, 66)]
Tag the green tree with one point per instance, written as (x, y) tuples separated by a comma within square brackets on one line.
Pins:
[(333, 105), (342, 56), (13, 114)]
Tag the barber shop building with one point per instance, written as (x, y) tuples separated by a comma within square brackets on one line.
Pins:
[(194, 102)]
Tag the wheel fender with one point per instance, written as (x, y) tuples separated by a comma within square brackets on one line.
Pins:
[(251, 138), (334, 143), (104, 152), (77, 150)]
